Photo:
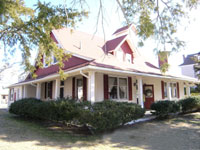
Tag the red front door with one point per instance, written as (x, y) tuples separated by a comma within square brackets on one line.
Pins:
[(148, 95)]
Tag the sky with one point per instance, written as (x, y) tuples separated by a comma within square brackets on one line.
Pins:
[(114, 20)]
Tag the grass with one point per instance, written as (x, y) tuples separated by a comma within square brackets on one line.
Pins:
[(181, 133)]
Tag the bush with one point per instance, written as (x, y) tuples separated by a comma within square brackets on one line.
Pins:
[(108, 115), (100, 116), (164, 108), (190, 104)]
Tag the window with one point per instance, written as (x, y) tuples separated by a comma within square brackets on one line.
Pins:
[(79, 88), (62, 83), (48, 89), (54, 60), (173, 88), (120, 54), (113, 92), (185, 91), (128, 58), (165, 89), (123, 88), (3, 97), (118, 88)]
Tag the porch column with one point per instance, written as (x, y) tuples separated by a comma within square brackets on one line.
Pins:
[(57, 88), (188, 90), (38, 91), (21, 92), (25, 93), (91, 86), (169, 93), (140, 91)]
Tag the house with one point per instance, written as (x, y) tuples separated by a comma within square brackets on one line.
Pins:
[(187, 67), (3, 95), (98, 70)]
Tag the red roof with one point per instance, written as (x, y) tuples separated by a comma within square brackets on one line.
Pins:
[(112, 44), (121, 29)]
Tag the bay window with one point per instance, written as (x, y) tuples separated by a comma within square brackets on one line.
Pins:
[(118, 88)]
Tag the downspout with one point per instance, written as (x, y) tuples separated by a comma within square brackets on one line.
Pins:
[(81, 72), (33, 84)]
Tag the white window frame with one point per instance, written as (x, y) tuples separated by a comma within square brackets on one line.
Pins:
[(118, 96), (52, 63), (128, 58)]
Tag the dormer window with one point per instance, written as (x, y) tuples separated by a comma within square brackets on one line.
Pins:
[(54, 60), (128, 58)]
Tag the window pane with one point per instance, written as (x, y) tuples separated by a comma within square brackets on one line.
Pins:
[(122, 82), (165, 89), (61, 92), (62, 83), (123, 88), (112, 88)]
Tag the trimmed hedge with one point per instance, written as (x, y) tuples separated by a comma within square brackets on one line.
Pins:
[(101, 116), (190, 104), (164, 108), (108, 115)]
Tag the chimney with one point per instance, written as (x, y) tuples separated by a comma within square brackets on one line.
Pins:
[(163, 57), (183, 57)]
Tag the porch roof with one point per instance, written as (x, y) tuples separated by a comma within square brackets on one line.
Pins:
[(105, 69)]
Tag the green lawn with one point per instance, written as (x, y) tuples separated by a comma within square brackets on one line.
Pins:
[(182, 133)]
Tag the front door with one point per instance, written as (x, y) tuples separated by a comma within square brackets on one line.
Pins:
[(148, 95)]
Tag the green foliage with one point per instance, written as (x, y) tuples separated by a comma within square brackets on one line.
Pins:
[(190, 104), (158, 19), (108, 115), (30, 29), (100, 116), (164, 108)]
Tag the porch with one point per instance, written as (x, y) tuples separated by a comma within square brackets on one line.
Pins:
[(97, 86)]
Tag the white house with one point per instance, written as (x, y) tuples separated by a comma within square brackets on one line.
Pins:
[(98, 70), (187, 67)]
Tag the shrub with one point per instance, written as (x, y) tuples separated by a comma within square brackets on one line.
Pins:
[(100, 116), (190, 104), (108, 115), (164, 108)]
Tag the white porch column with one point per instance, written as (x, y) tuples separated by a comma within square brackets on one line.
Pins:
[(25, 92), (38, 91), (21, 92), (169, 92), (57, 88), (91, 86), (188, 90), (140, 91)]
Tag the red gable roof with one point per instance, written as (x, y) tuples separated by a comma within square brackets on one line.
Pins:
[(112, 44), (121, 29)]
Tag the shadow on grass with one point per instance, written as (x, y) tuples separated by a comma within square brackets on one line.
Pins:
[(178, 133)]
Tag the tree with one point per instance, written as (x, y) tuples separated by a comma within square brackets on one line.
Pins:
[(30, 29)]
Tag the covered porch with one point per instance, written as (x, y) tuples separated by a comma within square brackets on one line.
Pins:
[(97, 85)]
